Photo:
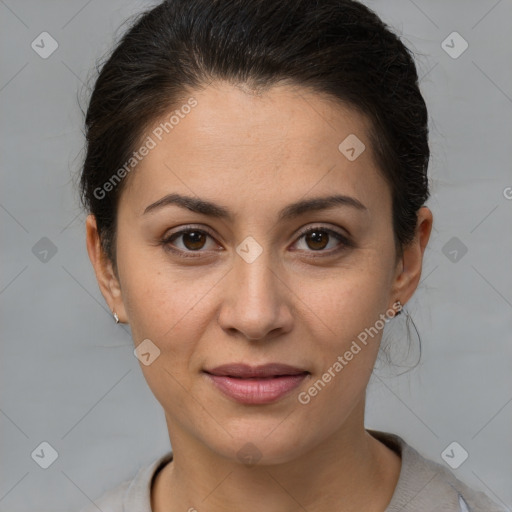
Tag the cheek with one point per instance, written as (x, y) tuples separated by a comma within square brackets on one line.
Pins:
[(346, 343), (347, 314), (152, 299), (349, 301), (165, 309), (164, 303)]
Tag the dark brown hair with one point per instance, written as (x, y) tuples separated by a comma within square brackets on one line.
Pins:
[(339, 48)]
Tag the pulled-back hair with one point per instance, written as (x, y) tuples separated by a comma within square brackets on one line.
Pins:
[(339, 48)]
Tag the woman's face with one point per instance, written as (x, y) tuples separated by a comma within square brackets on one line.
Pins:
[(248, 287)]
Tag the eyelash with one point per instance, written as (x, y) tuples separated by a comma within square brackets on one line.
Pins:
[(166, 241)]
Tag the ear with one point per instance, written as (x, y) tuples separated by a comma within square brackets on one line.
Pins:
[(105, 275), (408, 271)]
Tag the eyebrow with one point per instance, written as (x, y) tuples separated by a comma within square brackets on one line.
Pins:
[(289, 212)]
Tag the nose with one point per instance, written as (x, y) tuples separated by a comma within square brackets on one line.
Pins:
[(256, 300)]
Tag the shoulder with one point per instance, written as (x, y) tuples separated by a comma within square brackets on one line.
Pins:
[(132, 495), (427, 486)]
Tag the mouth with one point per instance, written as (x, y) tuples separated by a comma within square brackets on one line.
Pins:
[(266, 371), (256, 384)]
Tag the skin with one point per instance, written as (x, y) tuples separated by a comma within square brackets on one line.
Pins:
[(254, 154)]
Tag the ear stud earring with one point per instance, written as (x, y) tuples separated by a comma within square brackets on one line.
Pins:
[(116, 318), (398, 306)]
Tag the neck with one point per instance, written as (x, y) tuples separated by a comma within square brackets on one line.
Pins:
[(337, 473)]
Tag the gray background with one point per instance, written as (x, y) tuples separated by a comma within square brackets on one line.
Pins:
[(68, 374)]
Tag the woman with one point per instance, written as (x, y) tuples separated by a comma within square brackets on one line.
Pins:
[(256, 179)]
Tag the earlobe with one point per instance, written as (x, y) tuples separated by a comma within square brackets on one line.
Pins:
[(108, 282)]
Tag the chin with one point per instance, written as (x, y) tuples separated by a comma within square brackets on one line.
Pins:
[(265, 442)]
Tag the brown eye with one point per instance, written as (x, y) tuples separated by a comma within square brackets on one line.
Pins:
[(318, 239), (194, 240), (188, 241)]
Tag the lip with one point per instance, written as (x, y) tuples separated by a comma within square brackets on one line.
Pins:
[(256, 384), (245, 371)]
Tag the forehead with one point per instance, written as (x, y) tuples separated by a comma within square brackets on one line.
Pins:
[(233, 141)]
